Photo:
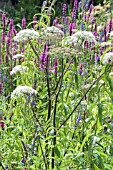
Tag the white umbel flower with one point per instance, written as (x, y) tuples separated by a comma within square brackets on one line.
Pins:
[(70, 40), (18, 56), (52, 31), (86, 86), (22, 90), (18, 68), (105, 44), (111, 34), (25, 35), (85, 36), (108, 58), (111, 74)]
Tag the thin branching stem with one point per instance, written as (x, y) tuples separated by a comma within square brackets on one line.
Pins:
[(48, 88), (33, 49), (25, 149), (2, 166), (80, 101), (54, 118), (44, 158)]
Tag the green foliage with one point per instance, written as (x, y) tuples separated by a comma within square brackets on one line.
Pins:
[(67, 124)]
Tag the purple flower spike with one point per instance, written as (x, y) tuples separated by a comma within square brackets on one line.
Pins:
[(3, 36), (64, 9), (80, 71), (78, 119), (5, 78), (4, 21), (82, 26), (97, 58), (112, 124), (105, 32), (23, 23)]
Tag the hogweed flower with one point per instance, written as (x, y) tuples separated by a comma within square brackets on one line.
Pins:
[(70, 40), (51, 31), (26, 35), (111, 34), (18, 68), (106, 44), (23, 90), (108, 58), (85, 36), (18, 56)]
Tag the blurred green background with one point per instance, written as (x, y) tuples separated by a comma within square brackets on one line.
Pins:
[(17, 9)]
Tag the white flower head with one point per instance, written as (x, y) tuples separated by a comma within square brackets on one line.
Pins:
[(105, 44), (108, 58), (25, 35), (70, 40), (101, 82), (22, 90), (86, 86), (111, 74), (18, 56), (85, 36), (111, 34), (52, 31), (18, 68)]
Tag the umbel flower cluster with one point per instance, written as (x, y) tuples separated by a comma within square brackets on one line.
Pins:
[(79, 37), (22, 90), (18, 68), (25, 35), (52, 31), (108, 58), (85, 36), (18, 56)]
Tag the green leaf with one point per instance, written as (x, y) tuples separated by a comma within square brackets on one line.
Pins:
[(66, 109), (96, 167), (75, 63), (57, 152), (100, 112), (76, 79)]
